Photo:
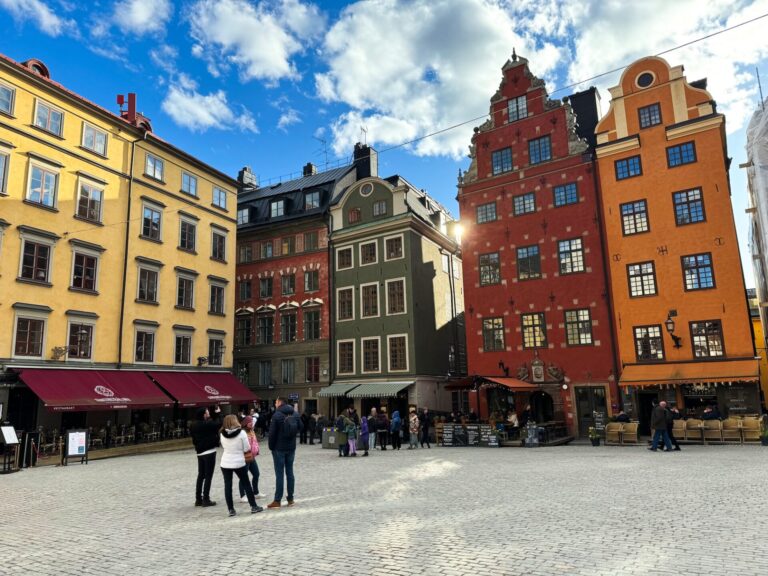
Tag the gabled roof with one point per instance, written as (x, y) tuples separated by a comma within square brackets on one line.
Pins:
[(296, 185)]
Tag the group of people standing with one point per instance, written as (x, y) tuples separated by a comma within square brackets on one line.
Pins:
[(377, 429), (662, 422)]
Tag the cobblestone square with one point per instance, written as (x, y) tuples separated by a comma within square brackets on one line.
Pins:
[(444, 511)]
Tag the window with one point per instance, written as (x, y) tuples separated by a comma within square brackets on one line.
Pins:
[(89, 202), (649, 115), (528, 263), (517, 108), (311, 280), (689, 207), (681, 154), (288, 245), (634, 217), (501, 161), (628, 168), (266, 249), (310, 241), (29, 337), (265, 373), (370, 354), (493, 334), (189, 184), (368, 253), (94, 139), (571, 255), (277, 209), (648, 343), (534, 331), (154, 167), (48, 118), (346, 363), (265, 288), (6, 99), (243, 331), (311, 200), (244, 289), (396, 296), (354, 215), (84, 272), (398, 353), (343, 258), (707, 338), (345, 301), (369, 296), (43, 184), (151, 223), (486, 213), (187, 235), (379, 208), (182, 353), (4, 162), (145, 346), (148, 280), (490, 269), (35, 261), (288, 284), (393, 248), (216, 304), (219, 197), (266, 329), (312, 369), (539, 150), (288, 327), (578, 327), (288, 370), (218, 246), (524, 204), (566, 194), (311, 324), (80, 341), (697, 271), (215, 351), (242, 215), (642, 279), (185, 292)]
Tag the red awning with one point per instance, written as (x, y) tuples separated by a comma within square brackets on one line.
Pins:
[(68, 390), (513, 384), (461, 384), (203, 388)]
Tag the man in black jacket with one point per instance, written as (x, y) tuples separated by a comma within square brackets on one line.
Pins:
[(205, 437), (424, 422), (283, 427), (659, 424)]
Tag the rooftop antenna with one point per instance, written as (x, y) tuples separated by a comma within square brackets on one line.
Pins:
[(324, 149), (364, 132), (760, 87)]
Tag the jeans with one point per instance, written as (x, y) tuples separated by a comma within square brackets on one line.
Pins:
[(283, 462), (243, 475), (352, 446), (205, 467), (413, 440), (372, 439), (253, 468), (658, 435)]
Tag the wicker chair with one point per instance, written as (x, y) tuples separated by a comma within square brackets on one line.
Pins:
[(732, 430), (678, 429), (713, 430), (613, 432), (629, 433), (750, 429), (693, 430)]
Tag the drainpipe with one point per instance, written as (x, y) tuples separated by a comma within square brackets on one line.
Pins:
[(331, 299)]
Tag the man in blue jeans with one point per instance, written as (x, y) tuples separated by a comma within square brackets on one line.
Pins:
[(659, 418), (283, 428)]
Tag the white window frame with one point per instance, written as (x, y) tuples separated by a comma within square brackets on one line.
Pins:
[(211, 285), (338, 356), (215, 338), (156, 208), (50, 168), (192, 179), (389, 356), (352, 254), (220, 232), (51, 107), (6, 153), (272, 208), (360, 253), (32, 237), (180, 276), (352, 288), (97, 131), (402, 247), (30, 315), (362, 354), (98, 186), (405, 296), (220, 197), (12, 103), (149, 267), (243, 215), (88, 322), (156, 161), (145, 328), (378, 300), (192, 222), (180, 333), (78, 249)]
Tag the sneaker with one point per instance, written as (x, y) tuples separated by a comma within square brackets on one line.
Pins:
[(243, 498), (258, 495), (273, 504), (291, 502), (207, 503), (256, 508), (232, 512)]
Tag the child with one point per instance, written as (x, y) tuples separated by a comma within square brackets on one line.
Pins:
[(340, 427), (351, 431), (413, 429)]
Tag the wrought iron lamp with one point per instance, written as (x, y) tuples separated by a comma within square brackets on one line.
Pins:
[(669, 324)]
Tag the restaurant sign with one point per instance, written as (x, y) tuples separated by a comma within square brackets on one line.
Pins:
[(213, 395)]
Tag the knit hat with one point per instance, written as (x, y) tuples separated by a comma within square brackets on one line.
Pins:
[(247, 422)]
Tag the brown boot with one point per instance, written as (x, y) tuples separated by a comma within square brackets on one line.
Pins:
[(273, 504)]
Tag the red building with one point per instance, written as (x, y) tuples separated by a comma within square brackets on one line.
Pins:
[(537, 308)]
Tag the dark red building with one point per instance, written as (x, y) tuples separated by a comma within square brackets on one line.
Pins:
[(537, 307)]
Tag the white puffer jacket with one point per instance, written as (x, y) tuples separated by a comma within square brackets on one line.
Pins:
[(235, 444)]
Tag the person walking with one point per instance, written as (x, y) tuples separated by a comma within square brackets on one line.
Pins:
[(252, 467), (382, 428), (283, 428), (304, 429), (413, 429), (394, 428), (205, 438), (659, 425), (364, 434), (233, 461), (672, 415), (351, 431), (312, 426), (424, 421), (372, 424)]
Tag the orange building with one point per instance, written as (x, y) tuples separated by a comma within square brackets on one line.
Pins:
[(682, 324)]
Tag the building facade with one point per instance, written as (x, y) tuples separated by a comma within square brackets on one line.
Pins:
[(538, 322), (680, 311)]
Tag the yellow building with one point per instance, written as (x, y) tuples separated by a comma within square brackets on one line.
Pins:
[(116, 250)]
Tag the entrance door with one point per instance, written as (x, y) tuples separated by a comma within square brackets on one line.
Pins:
[(588, 400), (542, 407), (310, 407)]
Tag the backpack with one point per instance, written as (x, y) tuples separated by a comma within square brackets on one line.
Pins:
[(290, 427)]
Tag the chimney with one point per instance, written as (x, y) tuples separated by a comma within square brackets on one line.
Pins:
[(310, 169), (366, 161), (131, 107), (247, 178)]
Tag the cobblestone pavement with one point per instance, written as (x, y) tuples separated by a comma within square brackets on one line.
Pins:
[(445, 511)]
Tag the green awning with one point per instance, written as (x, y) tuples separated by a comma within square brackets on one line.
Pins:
[(337, 389), (379, 389)]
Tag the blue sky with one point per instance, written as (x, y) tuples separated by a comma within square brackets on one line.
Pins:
[(276, 84)]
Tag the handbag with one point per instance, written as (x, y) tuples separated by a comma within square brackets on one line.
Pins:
[(248, 457)]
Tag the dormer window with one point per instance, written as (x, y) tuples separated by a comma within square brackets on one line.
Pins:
[(277, 208), (311, 200)]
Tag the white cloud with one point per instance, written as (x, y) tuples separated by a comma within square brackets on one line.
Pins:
[(164, 57), (259, 40), (141, 17), (41, 15), (288, 118), (200, 112)]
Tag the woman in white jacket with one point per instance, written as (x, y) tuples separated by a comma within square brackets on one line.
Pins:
[(235, 444)]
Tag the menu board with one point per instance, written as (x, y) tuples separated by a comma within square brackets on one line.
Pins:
[(481, 435), (9, 435), (488, 436), (599, 417)]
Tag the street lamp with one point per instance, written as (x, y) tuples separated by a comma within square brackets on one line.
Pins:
[(669, 324)]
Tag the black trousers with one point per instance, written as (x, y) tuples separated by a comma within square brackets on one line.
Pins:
[(205, 467), (303, 436), (382, 436), (672, 438), (397, 440), (424, 437), (242, 474), (311, 436)]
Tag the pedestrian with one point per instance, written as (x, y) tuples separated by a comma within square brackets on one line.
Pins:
[(394, 428), (372, 428), (364, 434), (205, 438), (351, 431), (413, 429), (322, 423), (341, 427), (382, 428), (312, 424), (251, 466), (672, 415), (282, 442), (237, 450), (304, 429), (425, 421), (659, 425)]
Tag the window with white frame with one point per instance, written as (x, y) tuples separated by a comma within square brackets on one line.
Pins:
[(277, 209), (144, 350), (369, 300), (345, 304), (43, 185), (379, 208), (397, 345), (242, 215), (288, 371), (344, 258), (393, 248), (36, 258), (185, 292), (6, 99), (219, 246), (154, 167), (370, 351), (149, 279), (151, 222), (5, 160), (85, 267), (345, 356), (80, 340), (189, 184), (396, 296), (215, 351), (216, 302), (182, 349), (311, 200), (187, 234), (288, 327), (29, 336), (49, 118), (94, 139), (89, 201), (219, 197), (311, 280), (517, 108), (311, 324), (368, 253)]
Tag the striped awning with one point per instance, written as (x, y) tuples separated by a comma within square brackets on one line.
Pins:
[(337, 389), (671, 373), (379, 389)]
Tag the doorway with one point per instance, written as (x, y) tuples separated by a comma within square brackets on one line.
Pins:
[(310, 407), (542, 407), (589, 399)]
